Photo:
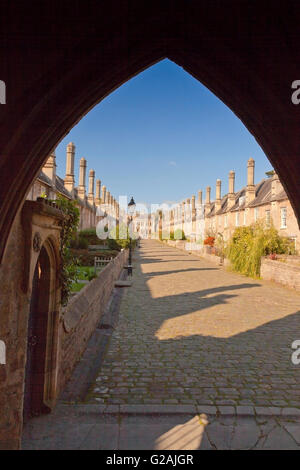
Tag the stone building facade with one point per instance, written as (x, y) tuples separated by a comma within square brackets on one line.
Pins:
[(265, 200), (89, 199)]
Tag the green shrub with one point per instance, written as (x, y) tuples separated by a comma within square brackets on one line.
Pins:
[(90, 236), (82, 243), (179, 234), (92, 276), (248, 244), (114, 241)]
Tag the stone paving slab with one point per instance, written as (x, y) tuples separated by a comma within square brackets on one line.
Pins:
[(108, 428)]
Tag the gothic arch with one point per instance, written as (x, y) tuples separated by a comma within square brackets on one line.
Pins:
[(244, 52)]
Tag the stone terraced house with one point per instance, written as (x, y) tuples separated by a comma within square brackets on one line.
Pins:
[(49, 184)]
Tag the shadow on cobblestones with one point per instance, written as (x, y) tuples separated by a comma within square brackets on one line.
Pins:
[(200, 359), (228, 343)]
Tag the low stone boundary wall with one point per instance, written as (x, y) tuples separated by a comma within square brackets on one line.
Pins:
[(82, 315), (284, 272), (197, 250)]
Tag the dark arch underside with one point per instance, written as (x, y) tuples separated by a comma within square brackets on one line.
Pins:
[(64, 57)]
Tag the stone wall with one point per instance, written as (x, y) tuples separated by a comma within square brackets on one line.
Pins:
[(197, 250), (82, 316), (16, 273), (284, 272), (14, 305)]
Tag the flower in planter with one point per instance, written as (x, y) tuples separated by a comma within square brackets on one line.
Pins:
[(273, 256), (210, 241)]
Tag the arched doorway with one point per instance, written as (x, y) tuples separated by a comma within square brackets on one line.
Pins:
[(35, 372)]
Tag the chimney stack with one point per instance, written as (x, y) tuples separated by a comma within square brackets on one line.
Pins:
[(69, 181), (91, 198), (207, 198), (50, 169), (98, 192), (250, 191), (82, 174), (103, 199), (231, 193), (200, 198), (108, 197), (218, 195)]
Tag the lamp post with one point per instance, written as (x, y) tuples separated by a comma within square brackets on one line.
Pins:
[(131, 210)]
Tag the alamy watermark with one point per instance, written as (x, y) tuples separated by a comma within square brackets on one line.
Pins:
[(151, 221), (2, 92), (2, 352), (296, 354), (296, 94)]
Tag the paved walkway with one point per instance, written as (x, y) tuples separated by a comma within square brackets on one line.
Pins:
[(157, 427), (200, 359), (192, 333)]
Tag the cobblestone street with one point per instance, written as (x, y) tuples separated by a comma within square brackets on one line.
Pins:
[(200, 359), (192, 333)]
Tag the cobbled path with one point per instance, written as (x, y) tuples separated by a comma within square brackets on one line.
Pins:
[(192, 333)]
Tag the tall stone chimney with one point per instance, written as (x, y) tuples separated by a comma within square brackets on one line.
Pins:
[(207, 197), (103, 198), (82, 175), (188, 208), (231, 193), (200, 197), (69, 181), (218, 195), (91, 197), (250, 191), (50, 169), (98, 193)]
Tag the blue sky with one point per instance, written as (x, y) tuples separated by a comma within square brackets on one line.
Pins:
[(162, 136)]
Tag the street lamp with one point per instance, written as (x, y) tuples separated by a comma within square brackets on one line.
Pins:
[(131, 210)]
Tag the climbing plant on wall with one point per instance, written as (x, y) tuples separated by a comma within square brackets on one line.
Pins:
[(69, 263)]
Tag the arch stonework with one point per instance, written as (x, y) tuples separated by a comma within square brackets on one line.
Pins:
[(244, 52)]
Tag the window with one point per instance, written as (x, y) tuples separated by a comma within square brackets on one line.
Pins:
[(237, 219), (244, 220), (283, 214), (226, 221), (256, 214), (268, 218)]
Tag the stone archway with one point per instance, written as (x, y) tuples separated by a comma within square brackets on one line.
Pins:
[(244, 52)]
